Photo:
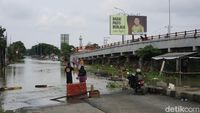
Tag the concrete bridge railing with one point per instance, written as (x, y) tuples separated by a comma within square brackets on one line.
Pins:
[(186, 39)]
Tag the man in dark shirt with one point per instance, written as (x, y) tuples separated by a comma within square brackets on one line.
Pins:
[(68, 71)]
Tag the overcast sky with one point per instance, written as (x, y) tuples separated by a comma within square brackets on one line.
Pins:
[(42, 21)]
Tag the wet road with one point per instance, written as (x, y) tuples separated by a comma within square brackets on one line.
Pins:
[(123, 102), (126, 102), (31, 72)]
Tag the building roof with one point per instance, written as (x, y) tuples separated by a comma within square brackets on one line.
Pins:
[(170, 56)]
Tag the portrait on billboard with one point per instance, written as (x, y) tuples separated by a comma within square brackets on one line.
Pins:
[(128, 25), (137, 24)]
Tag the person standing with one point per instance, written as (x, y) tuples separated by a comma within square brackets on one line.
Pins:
[(68, 71), (82, 74)]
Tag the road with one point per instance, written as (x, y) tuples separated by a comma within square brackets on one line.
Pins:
[(126, 102), (122, 102)]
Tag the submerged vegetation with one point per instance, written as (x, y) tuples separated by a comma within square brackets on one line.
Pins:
[(151, 77)]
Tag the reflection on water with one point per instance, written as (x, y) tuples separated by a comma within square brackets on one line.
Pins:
[(32, 72), (27, 74)]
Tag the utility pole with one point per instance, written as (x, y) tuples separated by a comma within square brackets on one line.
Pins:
[(169, 26)]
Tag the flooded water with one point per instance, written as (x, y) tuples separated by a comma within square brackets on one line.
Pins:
[(33, 72)]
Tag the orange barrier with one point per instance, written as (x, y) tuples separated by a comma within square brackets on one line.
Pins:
[(76, 89)]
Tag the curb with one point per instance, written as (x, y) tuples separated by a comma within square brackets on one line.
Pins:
[(174, 94)]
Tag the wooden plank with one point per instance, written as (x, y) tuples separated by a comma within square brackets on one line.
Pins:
[(10, 88)]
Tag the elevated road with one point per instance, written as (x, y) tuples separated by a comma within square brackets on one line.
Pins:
[(186, 41)]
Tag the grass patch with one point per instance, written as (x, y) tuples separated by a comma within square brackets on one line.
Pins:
[(151, 78), (109, 69), (113, 84)]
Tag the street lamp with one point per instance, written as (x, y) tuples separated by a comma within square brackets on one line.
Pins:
[(169, 26), (120, 10)]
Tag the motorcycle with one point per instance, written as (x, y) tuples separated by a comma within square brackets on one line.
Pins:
[(137, 83)]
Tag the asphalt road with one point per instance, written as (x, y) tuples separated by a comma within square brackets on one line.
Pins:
[(126, 102), (122, 102)]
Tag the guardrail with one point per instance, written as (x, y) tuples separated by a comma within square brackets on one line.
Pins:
[(185, 34)]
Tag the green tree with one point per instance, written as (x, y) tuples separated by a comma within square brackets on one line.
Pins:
[(16, 51), (43, 49), (2, 47), (2, 40), (66, 50), (146, 53)]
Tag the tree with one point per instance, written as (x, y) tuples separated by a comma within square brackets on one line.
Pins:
[(2, 30), (43, 49), (16, 51), (2, 47), (147, 53), (2, 40), (67, 50)]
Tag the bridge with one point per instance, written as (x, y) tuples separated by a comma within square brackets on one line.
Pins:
[(186, 41)]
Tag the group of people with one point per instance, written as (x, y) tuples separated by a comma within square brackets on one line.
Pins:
[(81, 74)]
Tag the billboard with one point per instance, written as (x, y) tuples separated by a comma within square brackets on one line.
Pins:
[(127, 25), (118, 25)]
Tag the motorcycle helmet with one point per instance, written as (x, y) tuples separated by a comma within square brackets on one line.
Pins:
[(138, 70)]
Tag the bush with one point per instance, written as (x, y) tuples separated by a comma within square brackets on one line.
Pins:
[(151, 78), (113, 85), (109, 69)]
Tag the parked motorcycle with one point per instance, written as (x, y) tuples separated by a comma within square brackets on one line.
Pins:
[(136, 82)]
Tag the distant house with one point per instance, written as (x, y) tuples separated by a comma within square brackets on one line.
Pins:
[(89, 47)]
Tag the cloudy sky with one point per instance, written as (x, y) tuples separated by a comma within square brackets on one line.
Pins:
[(36, 21)]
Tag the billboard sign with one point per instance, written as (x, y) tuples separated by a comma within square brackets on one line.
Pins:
[(127, 25), (118, 25)]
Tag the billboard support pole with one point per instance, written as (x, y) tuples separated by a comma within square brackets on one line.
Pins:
[(122, 39)]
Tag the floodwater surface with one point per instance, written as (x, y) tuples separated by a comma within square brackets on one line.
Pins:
[(33, 72)]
